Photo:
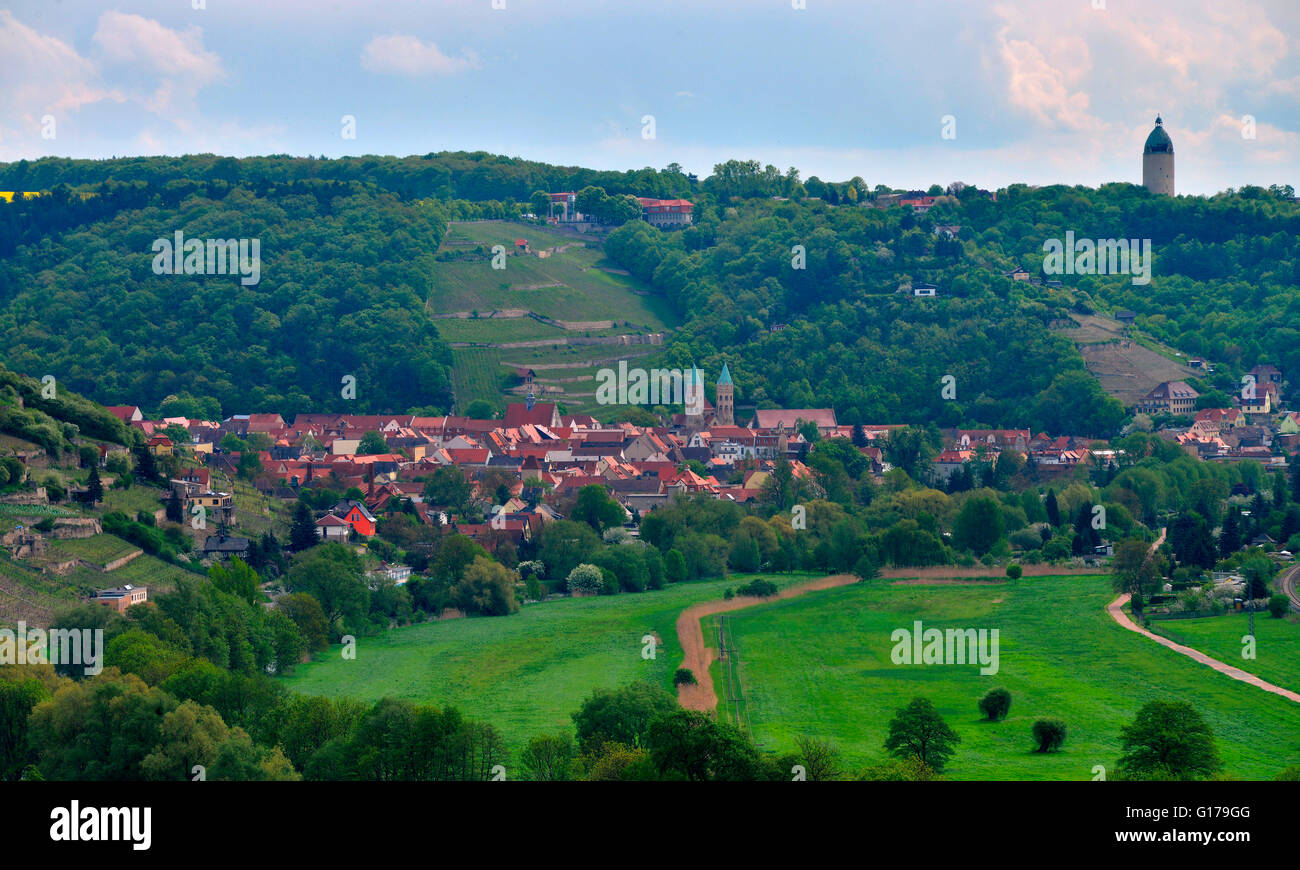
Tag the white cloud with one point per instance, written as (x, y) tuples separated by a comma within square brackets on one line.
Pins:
[(40, 75), (175, 59), (408, 56)]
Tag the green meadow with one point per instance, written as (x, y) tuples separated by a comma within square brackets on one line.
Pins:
[(820, 665), (525, 673), (1277, 643)]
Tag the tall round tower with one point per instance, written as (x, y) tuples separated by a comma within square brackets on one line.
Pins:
[(1158, 161)]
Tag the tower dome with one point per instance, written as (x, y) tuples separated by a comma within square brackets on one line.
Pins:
[(1158, 142)]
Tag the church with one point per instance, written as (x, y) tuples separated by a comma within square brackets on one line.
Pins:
[(1158, 161)]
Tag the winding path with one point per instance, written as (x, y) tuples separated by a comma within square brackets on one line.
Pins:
[(1115, 609), (698, 657)]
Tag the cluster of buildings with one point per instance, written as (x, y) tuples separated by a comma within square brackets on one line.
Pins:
[(541, 456), (1257, 425)]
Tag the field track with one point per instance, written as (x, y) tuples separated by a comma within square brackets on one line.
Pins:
[(1115, 609), (698, 657)]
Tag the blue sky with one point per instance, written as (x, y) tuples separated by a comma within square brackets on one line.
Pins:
[(1042, 91)]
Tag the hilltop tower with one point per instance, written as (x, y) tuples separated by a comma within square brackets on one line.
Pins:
[(725, 413), (1158, 161)]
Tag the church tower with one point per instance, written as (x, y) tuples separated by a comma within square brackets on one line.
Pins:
[(725, 413), (1158, 161)]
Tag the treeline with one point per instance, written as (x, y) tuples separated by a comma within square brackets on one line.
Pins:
[(344, 276), (465, 175), (1224, 273)]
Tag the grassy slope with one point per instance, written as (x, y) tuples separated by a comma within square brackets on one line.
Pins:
[(820, 665), (525, 673), (1277, 643)]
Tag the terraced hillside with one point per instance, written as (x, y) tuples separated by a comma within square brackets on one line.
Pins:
[(565, 313)]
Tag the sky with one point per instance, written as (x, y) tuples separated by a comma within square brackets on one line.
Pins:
[(906, 93)]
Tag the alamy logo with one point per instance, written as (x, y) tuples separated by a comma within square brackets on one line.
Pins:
[(655, 387), (74, 823), (211, 257), (1100, 257), (57, 646), (955, 646)]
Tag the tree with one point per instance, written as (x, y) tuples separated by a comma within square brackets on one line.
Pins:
[(448, 487), (1258, 572), (585, 579), (918, 731), (1168, 740), (331, 573), (620, 715), (684, 677), (302, 534), (145, 467), (1230, 534), (689, 745), (486, 587), (1049, 735), (1192, 541), (548, 758), (1134, 568), (237, 579), (821, 760), (995, 704), (306, 613), (95, 488), (1053, 509), (175, 510), (979, 524), (595, 508), (249, 466), (372, 444), (674, 566)]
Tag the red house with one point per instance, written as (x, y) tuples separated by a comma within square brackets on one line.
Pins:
[(356, 515)]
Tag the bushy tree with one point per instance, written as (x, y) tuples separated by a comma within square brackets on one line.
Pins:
[(1049, 735), (918, 731), (995, 704)]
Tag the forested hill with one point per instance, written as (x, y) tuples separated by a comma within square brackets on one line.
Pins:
[(837, 332), (344, 277), (474, 175), (347, 251)]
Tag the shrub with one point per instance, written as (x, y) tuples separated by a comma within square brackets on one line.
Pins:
[(585, 579), (1049, 734), (758, 588), (995, 704), (1278, 605), (1015, 572), (684, 677)]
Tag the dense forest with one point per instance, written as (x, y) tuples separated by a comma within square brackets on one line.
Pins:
[(834, 330), (344, 271)]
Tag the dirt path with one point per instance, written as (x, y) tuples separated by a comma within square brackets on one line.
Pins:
[(698, 657), (1115, 609)]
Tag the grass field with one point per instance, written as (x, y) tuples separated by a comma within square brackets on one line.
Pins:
[(526, 673), (579, 288), (477, 372), (820, 665), (100, 549), (1277, 643)]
